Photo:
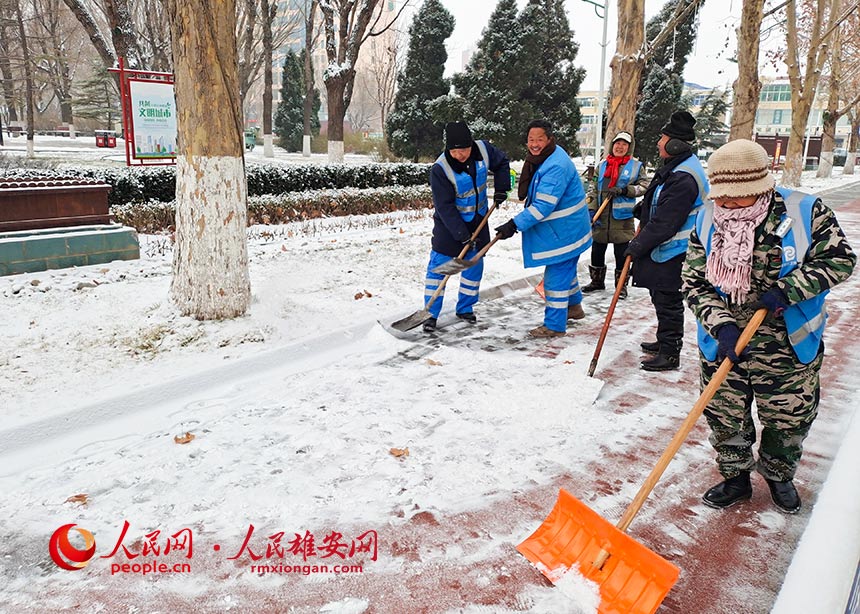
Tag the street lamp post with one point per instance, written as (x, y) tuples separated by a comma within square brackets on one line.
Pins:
[(601, 10)]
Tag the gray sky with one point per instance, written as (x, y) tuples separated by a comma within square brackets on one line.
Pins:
[(707, 64)]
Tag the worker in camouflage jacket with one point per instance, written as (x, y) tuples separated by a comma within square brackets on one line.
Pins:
[(756, 246)]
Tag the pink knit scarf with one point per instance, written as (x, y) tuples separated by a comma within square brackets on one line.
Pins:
[(730, 260)]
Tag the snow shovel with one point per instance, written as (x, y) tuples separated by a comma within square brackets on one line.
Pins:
[(632, 578), (454, 266), (422, 315), (622, 279), (539, 288)]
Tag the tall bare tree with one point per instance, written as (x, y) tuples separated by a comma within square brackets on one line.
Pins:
[(10, 95), (59, 53), (309, 10), (346, 30), (28, 79), (631, 53), (747, 86), (383, 67), (819, 17), (210, 263), (853, 145), (842, 91)]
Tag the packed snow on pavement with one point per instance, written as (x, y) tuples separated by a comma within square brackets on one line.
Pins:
[(299, 411)]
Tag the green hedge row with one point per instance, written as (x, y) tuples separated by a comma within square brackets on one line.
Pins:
[(154, 216), (158, 183)]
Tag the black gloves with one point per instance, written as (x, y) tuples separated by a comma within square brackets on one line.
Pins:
[(727, 339), (499, 197), (507, 230), (774, 300), (616, 190)]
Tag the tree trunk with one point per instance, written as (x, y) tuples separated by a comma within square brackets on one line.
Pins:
[(308, 106), (6, 74), (853, 142), (268, 17), (210, 262), (627, 65), (28, 78), (747, 86), (336, 111), (803, 90), (343, 45), (85, 18)]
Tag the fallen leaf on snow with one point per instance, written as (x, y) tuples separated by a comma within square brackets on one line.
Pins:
[(402, 231), (283, 248), (359, 295), (367, 294), (82, 498), (186, 438), (399, 452), (568, 362), (433, 363)]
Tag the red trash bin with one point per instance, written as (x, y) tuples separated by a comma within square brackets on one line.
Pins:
[(100, 140), (111, 140)]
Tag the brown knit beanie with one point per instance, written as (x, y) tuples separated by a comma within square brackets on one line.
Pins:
[(739, 168)]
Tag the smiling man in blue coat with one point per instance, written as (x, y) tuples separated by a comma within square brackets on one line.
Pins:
[(555, 224)]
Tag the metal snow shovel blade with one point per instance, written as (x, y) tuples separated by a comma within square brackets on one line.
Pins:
[(455, 265), (422, 315), (632, 578)]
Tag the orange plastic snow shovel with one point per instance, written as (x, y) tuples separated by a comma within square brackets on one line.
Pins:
[(632, 578)]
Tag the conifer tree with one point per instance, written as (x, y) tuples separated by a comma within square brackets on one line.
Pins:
[(97, 98), (491, 85), (662, 79), (289, 116), (412, 129), (552, 80)]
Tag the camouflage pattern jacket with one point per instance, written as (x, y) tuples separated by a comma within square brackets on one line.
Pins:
[(829, 261)]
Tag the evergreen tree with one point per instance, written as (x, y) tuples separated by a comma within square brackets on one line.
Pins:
[(662, 79), (97, 98), (289, 116), (711, 129), (552, 81), (412, 130), (491, 84)]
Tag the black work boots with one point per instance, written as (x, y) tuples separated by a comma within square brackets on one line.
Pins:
[(737, 489), (728, 492), (784, 496), (662, 362), (598, 279)]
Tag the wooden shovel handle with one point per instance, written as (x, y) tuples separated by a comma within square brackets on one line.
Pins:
[(692, 417), (462, 255), (686, 427), (622, 280), (599, 211)]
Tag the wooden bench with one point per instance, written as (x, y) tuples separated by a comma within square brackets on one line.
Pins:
[(27, 204)]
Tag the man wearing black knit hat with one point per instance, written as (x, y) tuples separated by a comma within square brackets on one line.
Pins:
[(458, 181), (667, 214)]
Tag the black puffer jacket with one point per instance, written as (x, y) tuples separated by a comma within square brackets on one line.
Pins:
[(677, 197)]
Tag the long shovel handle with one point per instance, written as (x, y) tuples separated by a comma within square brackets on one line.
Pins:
[(463, 252), (692, 417), (622, 280), (599, 211), (686, 427)]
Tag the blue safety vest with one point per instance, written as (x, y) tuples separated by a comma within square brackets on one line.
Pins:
[(805, 320), (622, 206), (677, 243), (467, 200)]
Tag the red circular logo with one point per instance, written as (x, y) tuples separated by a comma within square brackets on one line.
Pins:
[(67, 556)]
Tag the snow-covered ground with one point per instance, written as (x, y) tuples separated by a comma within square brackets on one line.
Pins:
[(299, 411)]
